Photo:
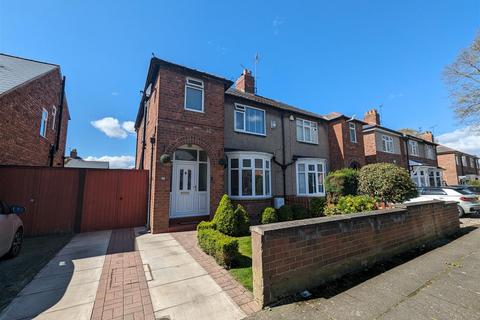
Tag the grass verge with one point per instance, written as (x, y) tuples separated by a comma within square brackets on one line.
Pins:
[(242, 271)]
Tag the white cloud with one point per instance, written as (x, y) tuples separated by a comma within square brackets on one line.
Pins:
[(393, 96), (129, 126), (116, 162), (276, 23), (114, 93), (112, 127), (464, 139)]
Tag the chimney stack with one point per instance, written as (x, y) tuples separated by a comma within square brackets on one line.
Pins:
[(246, 82), (427, 135), (372, 117), (73, 154)]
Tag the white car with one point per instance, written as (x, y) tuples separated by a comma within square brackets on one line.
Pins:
[(11, 230), (467, 201)]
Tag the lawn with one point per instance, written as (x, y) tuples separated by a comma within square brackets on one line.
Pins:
[(242, 272), (35, 254)]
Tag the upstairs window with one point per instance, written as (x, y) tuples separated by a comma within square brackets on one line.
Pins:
[(457, 160), (387, 144), (430, 152), (307, 131), (353, 132), (464, 161), (414, 148), (472, 163), (249, 120), (54, 116), (310, 177), (43, 123), (194, 95)]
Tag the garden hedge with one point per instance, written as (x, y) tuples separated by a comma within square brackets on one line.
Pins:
[(220, 246)]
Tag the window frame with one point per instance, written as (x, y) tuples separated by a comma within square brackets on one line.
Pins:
[(472, 162), (387, 139), (306, 162), (54, 116), (252, 156), (429, 152), (464, 161), (414, 147), (242, 108), (352, 126), (194, 87), (312, 125), (44, 123)]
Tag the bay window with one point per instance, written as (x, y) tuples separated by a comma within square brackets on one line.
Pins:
[(310, 177), (249, 174)]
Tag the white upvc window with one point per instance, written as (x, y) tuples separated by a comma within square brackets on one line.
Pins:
[(387, 144), (310, 177), (353, 132), (472, 163), (307, 131), (414, 148), (44, 123), (457, 160), (194, 95), (430, 152), (249, 175), (464, 161), (249, 120), (54, 116)]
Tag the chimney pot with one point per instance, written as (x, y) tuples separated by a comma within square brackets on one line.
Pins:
[(246, 82)]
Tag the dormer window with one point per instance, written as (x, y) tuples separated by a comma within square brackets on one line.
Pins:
[(194, 90)]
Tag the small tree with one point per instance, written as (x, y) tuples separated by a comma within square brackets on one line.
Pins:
[(342, 182), (386, 182)]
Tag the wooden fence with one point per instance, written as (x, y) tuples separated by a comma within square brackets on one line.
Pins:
[(75, 200)]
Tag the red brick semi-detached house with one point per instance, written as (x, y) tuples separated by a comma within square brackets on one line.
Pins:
[(460, 167), (345, 141), (33, 113), (202, 137)]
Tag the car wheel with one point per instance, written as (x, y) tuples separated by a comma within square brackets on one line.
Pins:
[(461, 212), (16, 244)]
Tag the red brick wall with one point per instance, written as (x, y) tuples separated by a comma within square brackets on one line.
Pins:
[(20, 117), (372, 155), (255, 208), (343, 152), (291, 256), (176, 127), (447, 162)]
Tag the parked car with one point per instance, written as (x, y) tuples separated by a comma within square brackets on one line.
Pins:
[(11, 230), (474, 189), (467, 201)]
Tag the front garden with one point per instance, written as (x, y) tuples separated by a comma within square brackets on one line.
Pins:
[(227, 236)]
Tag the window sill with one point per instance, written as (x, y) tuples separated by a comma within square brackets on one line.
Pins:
[(196, 111), (311, 195), (250, 198), (309, 143), (251, 133)]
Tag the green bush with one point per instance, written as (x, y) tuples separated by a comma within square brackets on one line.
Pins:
[(342, 182), (386, 182), (352, 204), (285, 213), (317, 206), (269, 215), (300, 212), (224, 207), (206, 225), (331, 209), (475, 183), (234, 223), (222, 247)]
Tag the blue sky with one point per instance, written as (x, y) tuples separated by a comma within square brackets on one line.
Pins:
[(346, 56)]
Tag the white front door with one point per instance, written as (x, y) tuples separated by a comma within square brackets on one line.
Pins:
[(185, 189)]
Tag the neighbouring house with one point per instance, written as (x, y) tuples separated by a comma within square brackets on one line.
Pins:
[(201, 137), (346, 142), (33, 112), (459, 167), (74, 161)]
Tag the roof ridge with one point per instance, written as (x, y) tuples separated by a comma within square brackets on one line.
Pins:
[(27, 59)]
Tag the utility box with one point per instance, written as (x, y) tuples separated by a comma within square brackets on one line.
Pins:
[(278, 202)]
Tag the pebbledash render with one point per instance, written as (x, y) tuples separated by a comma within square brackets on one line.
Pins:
[(202, 136)]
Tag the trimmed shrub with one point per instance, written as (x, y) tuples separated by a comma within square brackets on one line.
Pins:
[(224, 207), (317, 206), (386, 182), (233, 222), (475, 183), (222, 247), (341, 182), (331, 209), (285, 213), (206, 225), (300, 212), (269, 215), (352, 204)]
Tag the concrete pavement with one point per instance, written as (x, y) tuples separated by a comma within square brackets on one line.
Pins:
[(180, 288), (66, 287), (441, 284)]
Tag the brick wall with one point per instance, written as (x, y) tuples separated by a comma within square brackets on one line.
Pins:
[(176, 127), (20, 117), (447, 162), (343, 152), (255, 208), (292, 256)]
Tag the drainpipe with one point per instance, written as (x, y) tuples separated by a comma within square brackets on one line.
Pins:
[(60, 115), (144, 143), (150, 174), (408, 156), (283, 165)]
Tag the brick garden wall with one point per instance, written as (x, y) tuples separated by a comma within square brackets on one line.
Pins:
[(292, 256)]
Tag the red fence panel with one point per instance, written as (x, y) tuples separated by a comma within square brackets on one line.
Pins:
[(68, 199)]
